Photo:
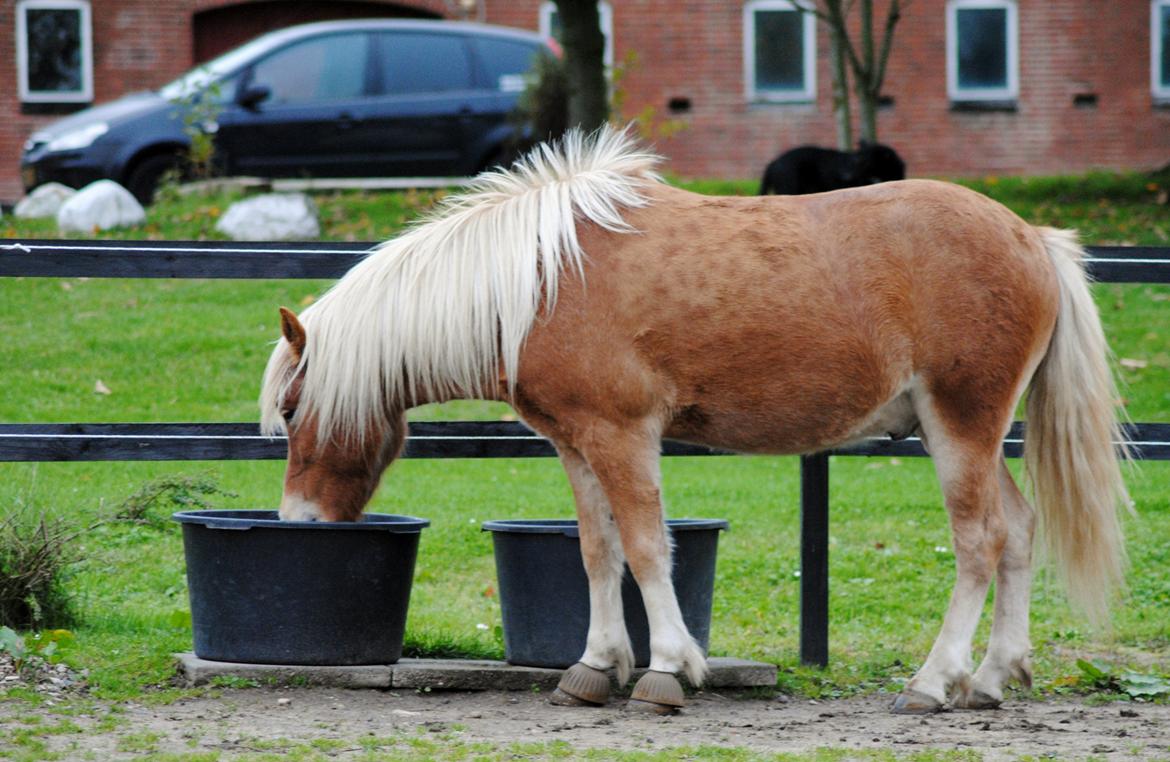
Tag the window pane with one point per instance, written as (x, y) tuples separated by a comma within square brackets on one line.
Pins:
[(1164, 72), (424, 63), (505, 62), (983, 52), (329, 68), (54, 50), (779, 50)]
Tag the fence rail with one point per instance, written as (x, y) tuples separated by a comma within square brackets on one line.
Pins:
[(229, 259), (57, 442)]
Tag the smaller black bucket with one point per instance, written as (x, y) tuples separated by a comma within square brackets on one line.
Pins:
[(268, 591), (544, 593)]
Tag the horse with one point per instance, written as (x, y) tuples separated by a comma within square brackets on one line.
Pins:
[(812, 169), (611, 310)]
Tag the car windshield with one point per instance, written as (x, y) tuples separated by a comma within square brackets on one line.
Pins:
[(204, 74)]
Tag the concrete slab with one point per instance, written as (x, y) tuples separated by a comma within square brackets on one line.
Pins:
[(441, 674), (203, 672)]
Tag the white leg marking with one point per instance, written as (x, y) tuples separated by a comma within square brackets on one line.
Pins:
[(294, 507)]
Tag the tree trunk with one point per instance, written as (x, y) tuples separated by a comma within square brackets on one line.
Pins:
[(584, 47), (866, 61), (841, 109), (866, 90)]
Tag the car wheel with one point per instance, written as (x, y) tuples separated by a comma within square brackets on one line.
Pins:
[(144, 179)]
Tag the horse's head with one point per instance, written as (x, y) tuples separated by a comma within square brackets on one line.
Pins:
[(332, 472)]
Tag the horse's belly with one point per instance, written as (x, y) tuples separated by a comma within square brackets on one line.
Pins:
[(783, 430)]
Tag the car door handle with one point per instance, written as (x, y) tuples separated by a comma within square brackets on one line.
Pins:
[(346, 122)]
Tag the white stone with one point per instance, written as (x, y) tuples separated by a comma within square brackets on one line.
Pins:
[(271, 217), (44, 201), (100, 206)]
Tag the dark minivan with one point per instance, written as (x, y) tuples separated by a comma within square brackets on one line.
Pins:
[(384, 98)]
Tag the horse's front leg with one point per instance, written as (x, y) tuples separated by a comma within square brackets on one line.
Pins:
[(608, 643), (625, 460)]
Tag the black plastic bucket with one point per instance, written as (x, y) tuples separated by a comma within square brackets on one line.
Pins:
[(544, 594), (268, 591)]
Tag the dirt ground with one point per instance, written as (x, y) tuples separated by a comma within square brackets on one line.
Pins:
[(242, 720)]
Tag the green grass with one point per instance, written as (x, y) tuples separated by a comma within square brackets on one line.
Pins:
[(195, 350)]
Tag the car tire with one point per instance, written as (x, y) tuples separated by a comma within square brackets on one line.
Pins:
[(144, 178)]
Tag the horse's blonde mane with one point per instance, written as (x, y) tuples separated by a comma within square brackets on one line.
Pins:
[(437, 310)]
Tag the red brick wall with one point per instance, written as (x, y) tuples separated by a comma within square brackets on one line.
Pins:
[(1067, 48), (693, 49)]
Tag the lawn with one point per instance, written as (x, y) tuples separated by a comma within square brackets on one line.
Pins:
[(127, 350)]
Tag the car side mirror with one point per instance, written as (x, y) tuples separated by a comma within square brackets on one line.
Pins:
[(253, 95)]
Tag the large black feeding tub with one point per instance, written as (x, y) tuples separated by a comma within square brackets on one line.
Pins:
[(299, 592), (544, 594)]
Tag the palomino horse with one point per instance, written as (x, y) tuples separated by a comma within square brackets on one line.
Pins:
[(612, 310)]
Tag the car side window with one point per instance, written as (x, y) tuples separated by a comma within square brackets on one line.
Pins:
[(322, 69), (505, 62), (414, 62)]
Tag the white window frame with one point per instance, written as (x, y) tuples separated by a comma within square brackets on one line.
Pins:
[(604, 11), (1012, 90), (1161, 92), (755, 94), (27, 95)]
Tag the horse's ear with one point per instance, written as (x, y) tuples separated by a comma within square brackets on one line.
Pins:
[(293, 331)]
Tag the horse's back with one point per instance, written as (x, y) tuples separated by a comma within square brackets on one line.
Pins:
[(787, 324)]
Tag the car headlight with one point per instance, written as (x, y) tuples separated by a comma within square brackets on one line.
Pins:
[(79, 138)]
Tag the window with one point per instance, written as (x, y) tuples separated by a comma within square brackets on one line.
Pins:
[(505, 62), (550, 26), (982, 51), (322, 69), (424, 63), (1160, 49), (54, 51), (779, 51)]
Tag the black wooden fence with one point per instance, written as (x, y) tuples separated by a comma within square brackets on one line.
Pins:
[(467, 439)]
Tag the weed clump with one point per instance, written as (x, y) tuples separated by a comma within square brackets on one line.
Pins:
[(35, 552)]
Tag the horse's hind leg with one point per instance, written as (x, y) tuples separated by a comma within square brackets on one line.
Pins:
[(1008, 648), (607, 644), (967, 472)]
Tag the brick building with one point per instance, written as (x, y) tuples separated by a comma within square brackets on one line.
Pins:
[(973, 86)]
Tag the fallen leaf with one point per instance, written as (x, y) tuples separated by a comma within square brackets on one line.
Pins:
[(1127, 362), (100, 388)]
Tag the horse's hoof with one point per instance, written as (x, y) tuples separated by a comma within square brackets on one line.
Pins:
[(976, 699), (649, 707), (913, 702), (657, 692), (581, 685)]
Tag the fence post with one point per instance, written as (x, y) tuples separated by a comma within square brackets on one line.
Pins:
[(814, 559)]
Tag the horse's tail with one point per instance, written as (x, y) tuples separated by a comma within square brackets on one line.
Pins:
[(1070, 449)]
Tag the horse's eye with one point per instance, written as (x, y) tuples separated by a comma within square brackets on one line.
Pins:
[(287, 415)]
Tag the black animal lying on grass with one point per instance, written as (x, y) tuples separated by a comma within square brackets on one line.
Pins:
[(812, 169)]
